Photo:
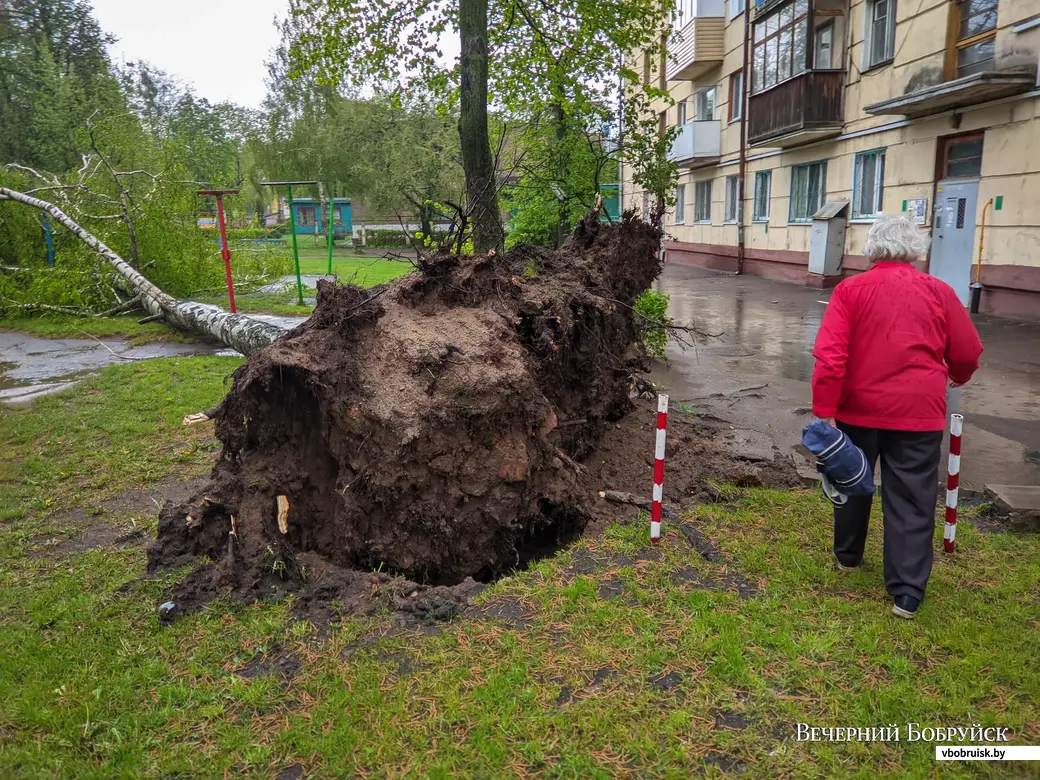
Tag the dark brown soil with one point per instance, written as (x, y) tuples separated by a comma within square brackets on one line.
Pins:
[(698, 455), (435, 432), (93, 530)]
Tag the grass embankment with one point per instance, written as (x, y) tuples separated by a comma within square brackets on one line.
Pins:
[(611, 659)]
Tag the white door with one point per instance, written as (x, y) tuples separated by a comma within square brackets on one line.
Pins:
[(953, 234)]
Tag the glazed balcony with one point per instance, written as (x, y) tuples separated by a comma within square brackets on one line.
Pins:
[(697, 44)]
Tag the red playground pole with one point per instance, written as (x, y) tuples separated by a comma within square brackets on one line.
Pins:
[(953, 481), (225, 252), (658, 497)]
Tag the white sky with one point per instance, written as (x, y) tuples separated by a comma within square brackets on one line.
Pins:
[(217, 45)]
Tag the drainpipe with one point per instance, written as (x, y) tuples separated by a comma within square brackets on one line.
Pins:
[(976, 289), (744, 105)]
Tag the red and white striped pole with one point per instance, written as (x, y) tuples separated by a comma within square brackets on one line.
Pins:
[(953, 480), (662, 433)]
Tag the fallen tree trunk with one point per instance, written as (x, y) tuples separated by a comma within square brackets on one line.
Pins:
[(237, 331)]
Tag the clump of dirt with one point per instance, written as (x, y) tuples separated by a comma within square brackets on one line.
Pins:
[(698, 455), (431, 427)]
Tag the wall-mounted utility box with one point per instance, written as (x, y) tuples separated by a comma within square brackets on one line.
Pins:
[(827, 242)]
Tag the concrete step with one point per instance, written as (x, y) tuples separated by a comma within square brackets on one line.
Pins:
[(1018, 505)]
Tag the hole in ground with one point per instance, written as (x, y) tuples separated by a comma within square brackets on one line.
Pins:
[(557, 529)]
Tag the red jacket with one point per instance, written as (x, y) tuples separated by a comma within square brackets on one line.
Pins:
[(888, 342)]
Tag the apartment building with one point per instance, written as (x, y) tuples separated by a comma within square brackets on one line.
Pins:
[(853, 108)]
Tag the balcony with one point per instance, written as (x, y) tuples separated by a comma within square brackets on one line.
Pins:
[(697, 143), (797, 111), (959, 93), (698, 44)]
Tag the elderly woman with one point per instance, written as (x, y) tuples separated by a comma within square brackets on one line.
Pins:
[(889, 341)]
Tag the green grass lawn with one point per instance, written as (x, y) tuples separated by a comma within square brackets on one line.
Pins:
[(364, 271), (616, 659), (351, 269)]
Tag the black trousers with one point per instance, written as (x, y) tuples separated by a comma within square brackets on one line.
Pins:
[(909, 489)]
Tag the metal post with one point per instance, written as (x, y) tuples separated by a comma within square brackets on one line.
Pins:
[(745, 105), (295, 249), (225, 252), (331, 221), (48, 238)]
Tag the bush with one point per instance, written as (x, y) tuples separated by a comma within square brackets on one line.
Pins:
[(651, 319), (398, 239)]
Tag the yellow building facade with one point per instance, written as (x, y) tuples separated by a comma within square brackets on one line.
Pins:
[(850, 109)]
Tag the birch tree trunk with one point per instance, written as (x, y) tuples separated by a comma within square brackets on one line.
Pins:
[(237, 331)]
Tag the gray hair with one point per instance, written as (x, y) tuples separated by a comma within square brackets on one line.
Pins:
[(895, 239)]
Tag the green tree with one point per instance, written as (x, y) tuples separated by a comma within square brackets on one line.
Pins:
[(514, 55), (53, 74), (561, 163), (122, 151), (395, 156)]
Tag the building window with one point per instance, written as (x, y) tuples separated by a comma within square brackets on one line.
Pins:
[(680, 109), (779, 47), (702, 201), (730, 212), (736, 8), (823, 57), (976, 38), (646, 67), (879, 45), (305, 216), (763, 185), (868, 181), (685, 10), (680, 204), (808, 190), (646, 205), (705, 104), (736, 95), (962, 157)]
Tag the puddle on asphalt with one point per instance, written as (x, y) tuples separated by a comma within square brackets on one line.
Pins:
[(761, 332), (287, 284), (31, 367), (758, 370)]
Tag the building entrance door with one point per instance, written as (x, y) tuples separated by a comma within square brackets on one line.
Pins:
[(954, 233)]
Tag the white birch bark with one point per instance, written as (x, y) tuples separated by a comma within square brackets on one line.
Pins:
[(237, 331)]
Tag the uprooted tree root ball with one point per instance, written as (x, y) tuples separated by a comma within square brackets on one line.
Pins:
[(431, 427), (448, 427)]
